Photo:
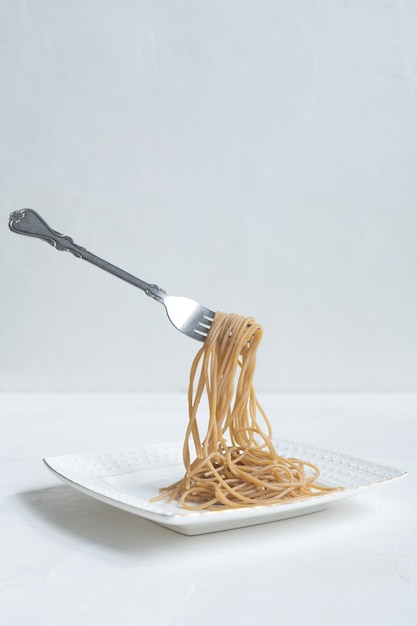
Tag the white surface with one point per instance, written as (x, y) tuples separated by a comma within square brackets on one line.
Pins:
[(66, 558), (259, 157), (129, 478)]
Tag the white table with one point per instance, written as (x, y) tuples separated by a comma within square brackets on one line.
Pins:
[(69, 559)]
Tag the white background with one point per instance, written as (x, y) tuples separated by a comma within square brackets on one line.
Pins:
[(258, 156)]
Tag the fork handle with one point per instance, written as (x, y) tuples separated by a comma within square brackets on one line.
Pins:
[(29, 222)]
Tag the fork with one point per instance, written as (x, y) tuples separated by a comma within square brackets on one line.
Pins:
[(188, 316)]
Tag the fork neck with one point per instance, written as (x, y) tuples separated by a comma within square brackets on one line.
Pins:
[(155, 292)]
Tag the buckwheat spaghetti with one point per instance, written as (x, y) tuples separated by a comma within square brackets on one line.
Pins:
[(235, 464)]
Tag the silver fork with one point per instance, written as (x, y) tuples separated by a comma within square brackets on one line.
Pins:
[(188, 316)]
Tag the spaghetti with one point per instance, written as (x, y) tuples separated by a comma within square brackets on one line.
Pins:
[(235, 463)]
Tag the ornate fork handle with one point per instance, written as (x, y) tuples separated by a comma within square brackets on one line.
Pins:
[(28, 222)]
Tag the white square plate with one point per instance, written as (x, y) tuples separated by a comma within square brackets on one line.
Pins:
[(128, 478)]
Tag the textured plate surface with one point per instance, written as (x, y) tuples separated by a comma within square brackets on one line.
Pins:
[(129, 477)]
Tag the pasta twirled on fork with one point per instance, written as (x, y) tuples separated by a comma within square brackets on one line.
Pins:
[(235, 463)]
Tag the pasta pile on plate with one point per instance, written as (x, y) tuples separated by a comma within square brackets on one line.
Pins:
[(234, 463)]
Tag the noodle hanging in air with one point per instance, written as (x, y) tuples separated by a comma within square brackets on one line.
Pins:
[(235, 463)]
